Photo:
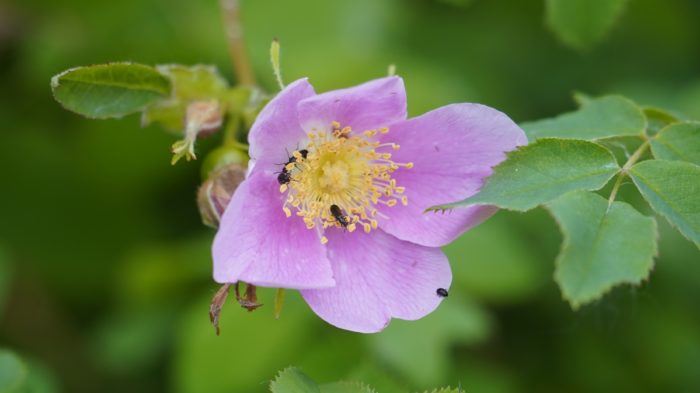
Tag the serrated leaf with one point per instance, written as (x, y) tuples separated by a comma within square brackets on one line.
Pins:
[(346, 387), (582, 23), (541, 172), (602, 247), (678, 142), (672, 188), (292, 380), (190, 84), (13, 371), (597, 118), (109, 90)]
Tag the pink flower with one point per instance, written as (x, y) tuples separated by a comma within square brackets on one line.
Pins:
[(376, 254)]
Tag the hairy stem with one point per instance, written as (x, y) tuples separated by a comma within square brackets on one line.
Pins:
[(236, 46)]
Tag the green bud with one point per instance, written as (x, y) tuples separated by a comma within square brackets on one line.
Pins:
[(221, 157)]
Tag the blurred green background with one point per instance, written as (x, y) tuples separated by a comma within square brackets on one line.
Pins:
[(105, 276)]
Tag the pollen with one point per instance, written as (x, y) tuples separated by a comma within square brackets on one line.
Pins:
[(352, 171)]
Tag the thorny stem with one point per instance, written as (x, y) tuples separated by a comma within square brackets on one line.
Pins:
[(625, 168), (236, 46)]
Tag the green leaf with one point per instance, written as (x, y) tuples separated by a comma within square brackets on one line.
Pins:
[(13, 371), (346, 387), (672, 188), (541, 172), (582, 23), (678, 142), (292, 380), (597, 118), (190, 84), (602, 247), (109, 90)]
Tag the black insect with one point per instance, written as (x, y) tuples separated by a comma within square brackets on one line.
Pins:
[(285, 176), (442, 292), (338, 215)]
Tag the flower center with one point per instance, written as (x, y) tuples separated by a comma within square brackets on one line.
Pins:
[(341, 178)]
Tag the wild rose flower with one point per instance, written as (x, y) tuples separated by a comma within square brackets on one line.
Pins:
[(335, 197)]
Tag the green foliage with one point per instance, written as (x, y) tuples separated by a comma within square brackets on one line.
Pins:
[(603, 246), (597, 118), (672, 188), (189, 84), (540, 172), (13, 372), (680, 141), (346, 387), (109, 90), (292, 380), (19, 376), (582, 23)]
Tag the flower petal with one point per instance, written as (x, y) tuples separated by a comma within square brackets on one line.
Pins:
[(378, 277), (257, 244), (367, 106), (276, 130), (453, 150)]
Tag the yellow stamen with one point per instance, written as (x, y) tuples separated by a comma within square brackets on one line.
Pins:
[(345, 169)]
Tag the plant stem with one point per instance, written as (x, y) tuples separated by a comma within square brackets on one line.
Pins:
[(236, 46), (625, 168)]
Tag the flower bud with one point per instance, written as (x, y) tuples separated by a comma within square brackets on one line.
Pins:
[(201, 118), (215, 193)]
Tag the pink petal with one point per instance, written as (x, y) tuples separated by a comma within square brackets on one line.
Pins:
[(257, 244), (378, 277), (453, 149), (276, 130), (367, 106)]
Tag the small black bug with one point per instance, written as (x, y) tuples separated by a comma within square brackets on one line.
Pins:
[(338, 215), (442, 292), (285, 176)]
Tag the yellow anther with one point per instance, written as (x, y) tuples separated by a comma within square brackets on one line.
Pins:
[(409, 165), (404, 200), (341, 180)]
